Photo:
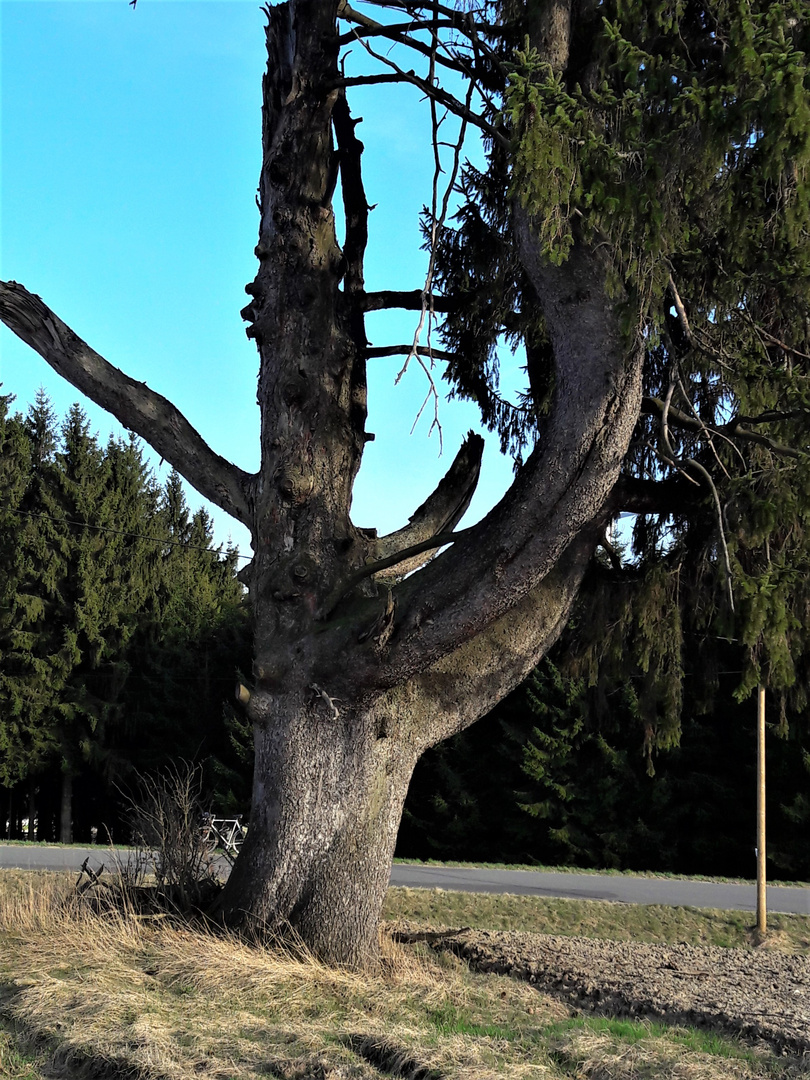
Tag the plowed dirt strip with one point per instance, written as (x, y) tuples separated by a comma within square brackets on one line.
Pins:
[(760, 994)]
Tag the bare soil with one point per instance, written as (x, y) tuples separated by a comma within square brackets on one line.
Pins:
[(760, 994)]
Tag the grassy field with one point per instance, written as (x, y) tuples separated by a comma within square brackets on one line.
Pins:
[(83, 995), (593, 919)]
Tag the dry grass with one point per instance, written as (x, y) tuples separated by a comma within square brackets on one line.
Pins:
[(595, 919), (154, 999)]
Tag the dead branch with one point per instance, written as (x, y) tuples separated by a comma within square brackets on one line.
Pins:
[(376, 352), (137, 407), (410, 300), (355, 206), (435, 93), (680, 311)]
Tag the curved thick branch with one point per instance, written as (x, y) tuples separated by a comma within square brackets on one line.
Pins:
[(469, 681), (136, 406), (565, 484)]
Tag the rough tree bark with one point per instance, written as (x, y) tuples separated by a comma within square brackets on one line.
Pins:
[(358, 670)]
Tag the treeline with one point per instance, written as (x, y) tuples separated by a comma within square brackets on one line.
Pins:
[(121, 628), (563, 772)]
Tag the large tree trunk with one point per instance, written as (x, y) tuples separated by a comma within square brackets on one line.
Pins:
[(332, 770), (328, 796), (357, 668)]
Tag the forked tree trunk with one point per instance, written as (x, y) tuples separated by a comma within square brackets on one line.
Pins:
[(332, 770), (358, 669)]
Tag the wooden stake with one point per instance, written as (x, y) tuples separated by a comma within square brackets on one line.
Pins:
[(761, 905)]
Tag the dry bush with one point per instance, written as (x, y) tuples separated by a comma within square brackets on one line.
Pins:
[(167, 827)]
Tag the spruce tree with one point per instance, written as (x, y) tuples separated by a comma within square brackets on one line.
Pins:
[(24, 740), (639, 235), (34, 667), (191, 638)]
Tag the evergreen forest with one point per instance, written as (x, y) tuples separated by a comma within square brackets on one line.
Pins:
[(123, 628)]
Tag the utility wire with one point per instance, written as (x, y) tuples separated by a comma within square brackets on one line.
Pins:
[(123, 532)]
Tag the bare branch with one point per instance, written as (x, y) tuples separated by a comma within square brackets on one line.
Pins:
[(437, 219), (442, 510), (401, 33), (703, 472), (356, 208), (734, 429), (372, 80), (460, 20), (370, 27), (137, 407), (409, 301), (680, 310), (401, 350), (435, 93)]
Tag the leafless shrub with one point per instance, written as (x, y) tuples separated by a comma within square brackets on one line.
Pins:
[(167, 816)]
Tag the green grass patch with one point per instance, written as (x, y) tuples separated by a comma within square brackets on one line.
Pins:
[(17, 1060), (592, 918)]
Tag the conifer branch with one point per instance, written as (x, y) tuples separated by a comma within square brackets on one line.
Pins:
[(734, 429), (703, 472)]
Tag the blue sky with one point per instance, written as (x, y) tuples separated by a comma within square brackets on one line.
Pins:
[(130, 158)]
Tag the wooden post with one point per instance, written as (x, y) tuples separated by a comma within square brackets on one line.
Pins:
[(761, 905)]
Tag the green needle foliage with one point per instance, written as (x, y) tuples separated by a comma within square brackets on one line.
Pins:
[(121, 625), (677, 143)]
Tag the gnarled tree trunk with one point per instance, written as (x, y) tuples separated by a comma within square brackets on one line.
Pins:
[(357, 669)]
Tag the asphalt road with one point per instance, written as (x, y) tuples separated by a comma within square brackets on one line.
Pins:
[(620, 888)]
